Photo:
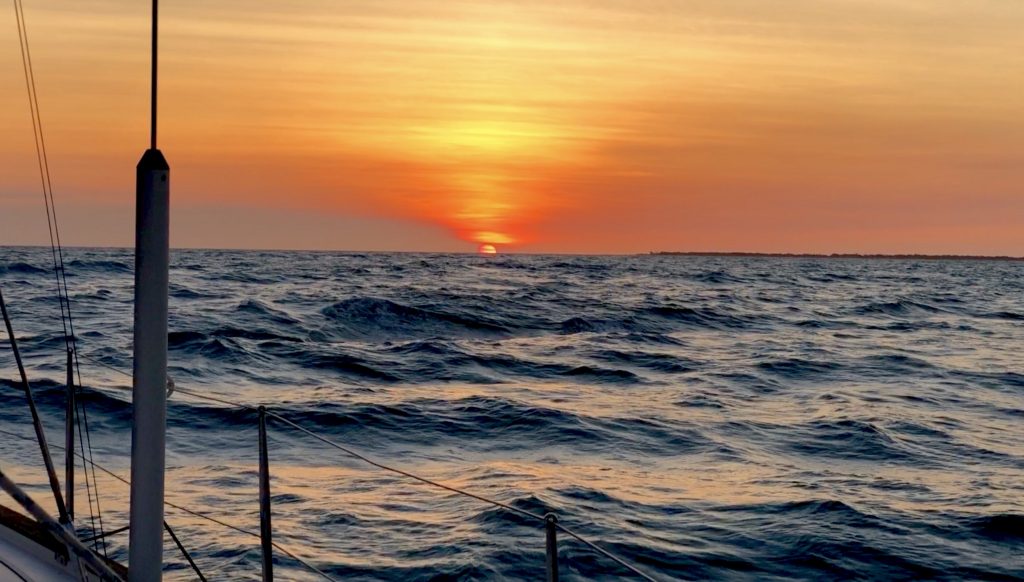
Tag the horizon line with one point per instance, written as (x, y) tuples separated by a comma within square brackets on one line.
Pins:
[(738, 254)]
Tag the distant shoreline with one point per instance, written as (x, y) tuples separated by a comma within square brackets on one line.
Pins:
[(838, 256)]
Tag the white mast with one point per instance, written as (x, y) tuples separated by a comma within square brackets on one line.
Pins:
[(149, 379)]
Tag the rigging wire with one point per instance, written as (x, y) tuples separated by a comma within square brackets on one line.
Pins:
[(57, 254), (37, 423), (88, 488), (33, 103), (84, 419)]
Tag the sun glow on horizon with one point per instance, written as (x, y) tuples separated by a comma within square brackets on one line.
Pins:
[(491, 171), (599, 126)]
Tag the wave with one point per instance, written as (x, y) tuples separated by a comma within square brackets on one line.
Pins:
[(698, 317), (22, 269), (470, 419), (594, 373), (798, 367), (916, 325), (583, 264), (201, 344), (718, 277), (899, 307), (825, 324), (179, 291), (1002, 527), (831, 277), (189, 338), (886, 364), (107, 266), (645, 338), (52, 343), (475, 420), (577, 325), (98, 295), (107, 410), (265, 311), (521, 367), (665, 363), (846, 439), (349, 366), (581, 325), (425, 348), (1008, 315), (226, 346), (432, 360), (994, 380), (370, 317), (833, 508), (240, 275), (867, 413)]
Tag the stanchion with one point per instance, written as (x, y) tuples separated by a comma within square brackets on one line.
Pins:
[(69, 442), (265, 529), (551, 525)]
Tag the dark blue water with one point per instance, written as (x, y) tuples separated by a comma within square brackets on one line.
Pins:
[(725, 418)]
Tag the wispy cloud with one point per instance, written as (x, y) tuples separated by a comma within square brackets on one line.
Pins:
[(599, 125)]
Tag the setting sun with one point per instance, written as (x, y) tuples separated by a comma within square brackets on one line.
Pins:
[(486, 249), (539, 127)]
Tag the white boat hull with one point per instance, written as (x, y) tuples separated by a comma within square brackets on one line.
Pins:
[(29, 554)]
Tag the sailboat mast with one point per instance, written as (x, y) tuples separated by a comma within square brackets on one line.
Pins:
[(152, 79), (149, 371)]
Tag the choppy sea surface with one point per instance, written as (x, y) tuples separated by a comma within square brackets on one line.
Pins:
[(703, 418)]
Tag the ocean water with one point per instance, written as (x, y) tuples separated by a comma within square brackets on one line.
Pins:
[(703, 418)]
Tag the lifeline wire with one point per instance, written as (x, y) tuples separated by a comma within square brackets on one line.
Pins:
[(379, 465)]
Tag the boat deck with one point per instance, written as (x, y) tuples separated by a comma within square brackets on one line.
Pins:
[(28, 553)]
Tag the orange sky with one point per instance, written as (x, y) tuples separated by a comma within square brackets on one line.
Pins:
[(576, 126)]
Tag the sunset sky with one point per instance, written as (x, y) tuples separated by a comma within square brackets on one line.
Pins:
[(534, 125)]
